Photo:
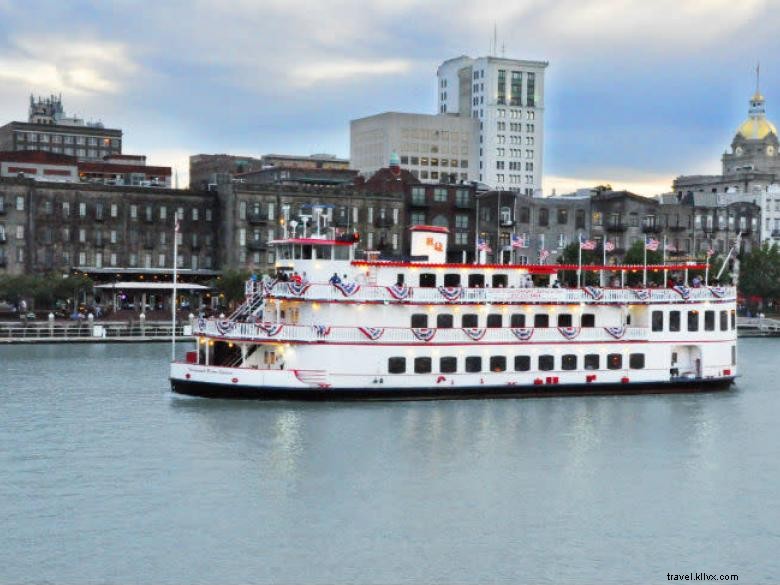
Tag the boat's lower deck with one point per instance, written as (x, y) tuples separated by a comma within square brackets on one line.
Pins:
[(233, 391)]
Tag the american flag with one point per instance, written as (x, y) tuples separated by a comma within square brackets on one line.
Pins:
[(651, 244), (483, 246), (176, 227), (587, 244), (609, 246), (519, 241), (671, 247), (710, 252), (543, 254)]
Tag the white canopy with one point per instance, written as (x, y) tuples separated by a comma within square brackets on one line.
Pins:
[(153, 286)]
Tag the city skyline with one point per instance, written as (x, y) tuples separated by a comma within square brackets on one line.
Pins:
[(181, 78)]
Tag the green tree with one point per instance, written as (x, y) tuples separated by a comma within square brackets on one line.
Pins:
[(230, 286), (570, 255), (636, 255), (759, 273)]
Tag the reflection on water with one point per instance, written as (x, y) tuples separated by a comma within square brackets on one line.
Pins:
[(104, 476)]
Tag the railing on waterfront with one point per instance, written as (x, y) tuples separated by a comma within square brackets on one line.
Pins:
[(95, 331), (457, 295), (231, 330)]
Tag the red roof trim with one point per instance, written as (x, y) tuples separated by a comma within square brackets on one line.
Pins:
[(536, 268), (429, 228)]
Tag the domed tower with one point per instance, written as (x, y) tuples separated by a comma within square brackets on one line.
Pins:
[(755, 146)]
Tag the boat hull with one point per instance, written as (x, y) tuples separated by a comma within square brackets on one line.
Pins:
[(231, 391)]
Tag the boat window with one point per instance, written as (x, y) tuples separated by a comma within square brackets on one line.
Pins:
[(340, 253), (588, 320), (592, 361), (522, 363), (444, 321), (636, 361), (452, 280), (541, 320), (693, 320), (724, 320), (564, 320), (497, 363), (422, 365), (500, 281), (420, 320), (615, 361), (396, 365), (476, 280), (674, 320), (469, 320), (473, 364), (733, 320), (448, 365), (517, 320), (427, 280), (658, 321), (546, 362), (399, 279), (709, 320), (569, 362), (494, 320), (307, 252)]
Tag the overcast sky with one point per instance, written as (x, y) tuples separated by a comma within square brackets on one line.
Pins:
[(637, 91)]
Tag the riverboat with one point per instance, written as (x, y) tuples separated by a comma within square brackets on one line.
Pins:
[(333, 327)]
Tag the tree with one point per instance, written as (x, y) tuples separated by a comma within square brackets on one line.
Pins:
[(759, 273), (570, 255), (636, 255), (230, 286)]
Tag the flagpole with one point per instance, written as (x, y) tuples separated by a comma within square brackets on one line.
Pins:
[(173, 297), (579, 265), (644, 272), (603, 260), (707, 271), (664, 261)]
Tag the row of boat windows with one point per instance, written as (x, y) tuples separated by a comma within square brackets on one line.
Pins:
[(476, 280), (446, 321), (522, 363), (693, 320)]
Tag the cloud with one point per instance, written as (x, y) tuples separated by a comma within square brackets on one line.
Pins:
[(60, 64), (330, 71)]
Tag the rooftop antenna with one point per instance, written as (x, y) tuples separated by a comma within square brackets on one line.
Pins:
[(758, 75), (503, 49), (494, 51)]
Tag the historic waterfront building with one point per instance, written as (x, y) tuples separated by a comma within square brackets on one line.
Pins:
[(434, 148), (506, 97), (48, 129)]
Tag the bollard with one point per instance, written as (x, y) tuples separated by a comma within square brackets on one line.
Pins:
[(142, 319), (51, 324)]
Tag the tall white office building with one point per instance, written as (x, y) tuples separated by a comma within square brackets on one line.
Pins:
[(506, 96)]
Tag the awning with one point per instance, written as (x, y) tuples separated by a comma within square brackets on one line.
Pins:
[(153, 286)]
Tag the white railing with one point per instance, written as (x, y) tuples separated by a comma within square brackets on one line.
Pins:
[(417, 295), (403, 335)]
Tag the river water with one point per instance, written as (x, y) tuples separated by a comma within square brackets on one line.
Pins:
[(107, 478)]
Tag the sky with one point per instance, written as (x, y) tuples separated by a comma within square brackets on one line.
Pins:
[(637, 91)]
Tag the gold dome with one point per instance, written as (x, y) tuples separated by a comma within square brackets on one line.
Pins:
[(756, 129)]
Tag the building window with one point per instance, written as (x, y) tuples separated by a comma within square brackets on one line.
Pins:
[(546, 363), (544, 217), (19, 203), (530, 90), (19, 232), (473, 364), (194, 214), (448, 365), (569, 362), (422, 365)]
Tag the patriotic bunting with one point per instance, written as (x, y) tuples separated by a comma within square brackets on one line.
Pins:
[(270, 329), (201, 324), (616, 332), (450, 293), (523, 333), (400, 292), (683, 291), (474, 333), (268, 285), (642, 294), (224, 326), (373, 333), (424, 333), (321, 330), (298, 289), (347, 288), (594, 292), (569, 332), (718, 291)]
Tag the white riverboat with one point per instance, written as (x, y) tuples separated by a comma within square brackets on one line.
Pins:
[(333, 327)]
